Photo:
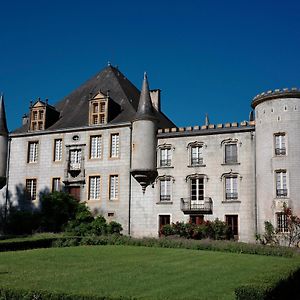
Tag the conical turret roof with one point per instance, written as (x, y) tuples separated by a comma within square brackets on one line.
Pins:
[(145, 109), (3, 124)]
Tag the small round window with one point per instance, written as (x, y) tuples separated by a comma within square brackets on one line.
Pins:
[(75, 137)]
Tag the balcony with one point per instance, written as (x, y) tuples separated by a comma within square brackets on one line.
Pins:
[(232, 196), (281, 193), (280, 151), (201, 207)]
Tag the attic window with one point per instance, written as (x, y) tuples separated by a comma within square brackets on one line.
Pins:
[(98, 110), (37, 118)]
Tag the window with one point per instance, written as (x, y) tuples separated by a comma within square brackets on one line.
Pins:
[(37, 119), (31, 189), (281, 184), (114, 145), (231, 192), (75, 159), (232, 223), (165, 189), (95, 146), (165, 157), (94, 188), (33, 148), (279, 141), (56, 185), (196, 155), (163, 220), (282, 224), (57, 150), (98, 109), (113, 187), (231, 153), (197, 189)]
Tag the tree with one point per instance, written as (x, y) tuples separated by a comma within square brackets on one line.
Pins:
[(293, 227)]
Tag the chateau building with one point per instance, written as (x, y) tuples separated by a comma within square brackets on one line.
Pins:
[(111, 146)]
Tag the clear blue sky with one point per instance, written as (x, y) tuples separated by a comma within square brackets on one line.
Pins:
[(206, 56)]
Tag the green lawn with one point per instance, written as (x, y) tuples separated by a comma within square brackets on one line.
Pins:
[(146, 273)]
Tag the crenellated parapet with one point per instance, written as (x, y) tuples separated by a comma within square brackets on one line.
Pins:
[(210, 127), (275, 94)]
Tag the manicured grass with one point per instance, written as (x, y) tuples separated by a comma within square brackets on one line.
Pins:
[(145, 273)]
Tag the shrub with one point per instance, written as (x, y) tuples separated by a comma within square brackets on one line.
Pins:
[(114, 228), (216, 230), (57, 209)]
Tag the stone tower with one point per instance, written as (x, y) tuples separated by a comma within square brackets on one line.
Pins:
[(277, 117), (144, 128), (3, 143)]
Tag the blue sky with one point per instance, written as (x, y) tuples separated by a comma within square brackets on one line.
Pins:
[(206, 56)]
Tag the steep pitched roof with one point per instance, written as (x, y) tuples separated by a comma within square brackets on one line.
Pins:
[(3, 124), (74, 108), (145, 108)]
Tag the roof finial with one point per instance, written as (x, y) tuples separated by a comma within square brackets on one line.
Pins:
[(108, 64), (206, 120)]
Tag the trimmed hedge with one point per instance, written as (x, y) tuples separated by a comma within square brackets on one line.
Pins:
[(18, 294), (225, 246), (286, 288), (26, 243)]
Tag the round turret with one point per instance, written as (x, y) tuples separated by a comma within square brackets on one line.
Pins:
[(144, 128), (277, 129)]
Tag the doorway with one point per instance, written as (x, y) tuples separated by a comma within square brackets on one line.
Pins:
[(163, 220), (75, 192)]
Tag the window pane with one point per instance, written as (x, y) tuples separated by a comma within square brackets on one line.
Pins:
[(58, 150), (231, 153), (114, 151), (114, 187), (94, 188), (56, 185), (96, 146), (32, 152), (165, 190), (31, 188)]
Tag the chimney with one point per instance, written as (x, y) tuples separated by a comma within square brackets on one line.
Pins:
[(25, 119), (155, 98)]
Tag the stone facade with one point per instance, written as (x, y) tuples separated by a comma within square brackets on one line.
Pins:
[(239, 173)]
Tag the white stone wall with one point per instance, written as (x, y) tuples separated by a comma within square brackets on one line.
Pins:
[(273, 116), (146, 208), (45, 168)]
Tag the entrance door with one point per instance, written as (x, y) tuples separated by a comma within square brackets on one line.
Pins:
[(75, 192), (197, 193), (163, 220), (196, 219), (232, 222)]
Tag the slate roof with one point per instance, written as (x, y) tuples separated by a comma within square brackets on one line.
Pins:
[(74, 108)]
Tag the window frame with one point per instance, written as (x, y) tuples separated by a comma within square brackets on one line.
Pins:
[(95, 192), (32, 193), (282, 191), (228, 161), (35, 150), (233, 194), (280, 144), (281, 222), (118, 146), (165, 197), (100, 142), (199, 154), (60, 150), (116, 190), (53, 188)]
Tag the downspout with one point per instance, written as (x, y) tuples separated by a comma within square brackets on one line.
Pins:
[(7, 179), (130, 164)]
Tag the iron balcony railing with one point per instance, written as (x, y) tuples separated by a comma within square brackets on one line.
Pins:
[(191, 206), (280, 151), (281, 192), (165, 197), (197, 161), (165, 162), (232, 195)]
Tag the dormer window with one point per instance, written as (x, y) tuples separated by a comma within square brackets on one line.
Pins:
[(98, 109), (37, 117), (42, 115)]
